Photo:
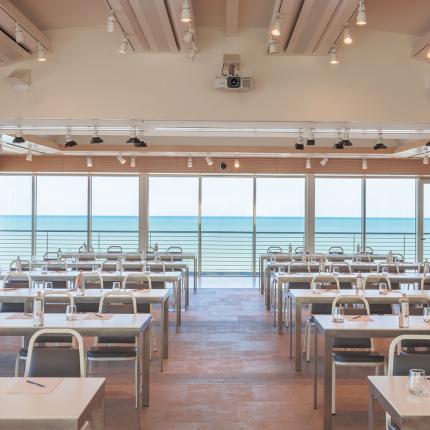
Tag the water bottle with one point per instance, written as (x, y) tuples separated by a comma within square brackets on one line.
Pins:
[(390, 257), (38, 310), (290, 249), (18, 266), (59, 254), (79, 283), (358, 249), (360, 283), (404, 312), (426, 267)]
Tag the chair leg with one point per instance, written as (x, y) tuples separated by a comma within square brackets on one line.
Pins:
[(305, 337), (333, 388), (377, 371), (90, 368), (308, 344), (17, 360), (136, 382), (274, 303)]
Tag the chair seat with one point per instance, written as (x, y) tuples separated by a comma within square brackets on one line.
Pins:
[(415, 343), (111, 352), (116, 339), (23, 352), (358, 357)]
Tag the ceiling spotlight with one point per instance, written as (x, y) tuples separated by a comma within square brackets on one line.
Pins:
[(428, 143), (345, 140), (123, 48), (361, 14), (428, 54), (379, 142), (339, 144), (133, 138), (237, 163), (209, 160), (311, 137), (110, 23), (188, 36), (186, 12), (324, 161), (192, 54), (308, 164), (190, 163), (139, 142), (19, 138), (133, 162), (299, 144), (96, 138), (121, 159), (426, 159), (276, 29), (89, 162), (347, 36), (332, 56), (40, 53), (19, 33), (273, 49), (70, 143), (364, 164), (29, 155)]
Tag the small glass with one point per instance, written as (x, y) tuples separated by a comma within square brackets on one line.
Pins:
[(385, 270), (48, 285), (95, 268), (71, 313), (116, 285), (338, 316), (426, 314), (383, 289), (335, 270), (417, 384)]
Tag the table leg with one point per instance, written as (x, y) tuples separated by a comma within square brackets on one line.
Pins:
[(290, 325), (138, 376), (97, 417), (261, 275), (371, 409), (187, 290), (315, 367), (280, 290), (178, 304), (165, 319), (144, 373), (162, 323), (328, 348), (298, 330), (195, 274)]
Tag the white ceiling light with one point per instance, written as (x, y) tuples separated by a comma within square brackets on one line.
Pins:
[(324, 161), (361, 14), (123, 48), (428, 54), (19, 34), (332, 56), (347, 36), (276, 29), (121, 159), (308, 164), (190, 163), (209, 160), (29, 155), (426, 159), (133, 162), (89, 162), (364, 164), (40, 53), (110, 23), (273, 49), (237, 163), (186, 12)]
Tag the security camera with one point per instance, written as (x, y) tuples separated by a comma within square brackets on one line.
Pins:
[(223, 165)]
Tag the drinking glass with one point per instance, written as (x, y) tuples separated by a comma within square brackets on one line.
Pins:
[(383, 288), (417, 383), (385, 270), (426, 314), (95, 268), (48, 285), (116, 285), (335, 270), (338, 315), (71, 313)]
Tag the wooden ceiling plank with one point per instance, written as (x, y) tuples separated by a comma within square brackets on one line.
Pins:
[(410, 149), (166, 25), (422, 47), (12, 50), (300, 27), (143, 20), (231, 17), (174, 9)]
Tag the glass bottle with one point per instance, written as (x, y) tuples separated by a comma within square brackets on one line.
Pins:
[(360, 284), (38, 310), (79, 282), (404, 312)]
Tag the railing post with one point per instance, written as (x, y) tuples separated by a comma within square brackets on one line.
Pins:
[(199, 233), (254, 225)]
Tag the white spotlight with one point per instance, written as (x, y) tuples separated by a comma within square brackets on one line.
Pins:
[(190, 163), (273, 49), (364, 164), (276, 29), (133, 162), (323, 162), (110, 23), (29, 155), (308, 164), (123, 48), (347, 36), (121, 159), (19, 33), (209, 160), (428, 54), (332, 55), (361, 14), (40, 53), (89, 162), (426, 159), (186, 13), (237, 163)]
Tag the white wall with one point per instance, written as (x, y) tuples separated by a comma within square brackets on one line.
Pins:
[(377, 80)]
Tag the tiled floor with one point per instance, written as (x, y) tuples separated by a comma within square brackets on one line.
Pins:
[(228, 369)]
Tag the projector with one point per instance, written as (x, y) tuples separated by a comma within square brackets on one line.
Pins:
[(233, 83)]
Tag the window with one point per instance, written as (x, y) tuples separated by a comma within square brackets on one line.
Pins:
[(337, 214), (426, 223), (115, 212), (15, 217), (61, 213), (390, 216)]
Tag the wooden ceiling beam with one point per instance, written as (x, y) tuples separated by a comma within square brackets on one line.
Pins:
[(231, 17), (411, 149), (422, 47), (174, 9), (166, 25)]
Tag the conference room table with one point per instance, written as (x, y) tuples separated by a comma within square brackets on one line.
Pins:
[(379, 326), (407, 411), (93, 296), (62, 403), (302, 297), (70, 276), (124, 325)]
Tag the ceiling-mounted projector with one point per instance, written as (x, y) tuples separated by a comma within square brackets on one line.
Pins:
[(230, 78)]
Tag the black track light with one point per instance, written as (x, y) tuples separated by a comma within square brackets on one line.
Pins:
[(379, 145), (428, 143), (300, 146), (18, 138), (345, 139), (339, 145), (96, 138), (70, 143), (310, 141), (141, 144)]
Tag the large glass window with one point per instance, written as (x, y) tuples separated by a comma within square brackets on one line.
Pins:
[(173, 212), (280, 213), (337, 214), (227, 224), (115, 212), (15, 218), (426, 223), (61, 213), (390, 216)]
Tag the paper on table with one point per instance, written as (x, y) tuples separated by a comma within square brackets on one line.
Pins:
[(24, 387), (358, 318), (20, 316), (99, 317), (144, 291), (11, 289)]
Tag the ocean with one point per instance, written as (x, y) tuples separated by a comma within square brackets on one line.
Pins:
[(227, 242)]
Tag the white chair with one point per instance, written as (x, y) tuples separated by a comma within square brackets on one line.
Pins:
[(25, 265), (371, 280), (55, 362), (343, 266), (353, 352), (15, 280), (390, 267), (425, 280)]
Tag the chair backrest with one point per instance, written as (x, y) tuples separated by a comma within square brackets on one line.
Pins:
[(298, 266), (346, 299), (400, 364), (55, 362), (25, 264), (398, 258), (91, 278), (86, 256), (48, 256), (391, 267), (326, 280), (344, 266), (134, 256), (274, 250), (57, 265), (367, 250), (425, 280), (86, 248), (58, 293), (336, 250), (117, 296), (363, 258), (174, 250), (299, 250), (114, 249), (374, 279), (17, 278), (139, 279)]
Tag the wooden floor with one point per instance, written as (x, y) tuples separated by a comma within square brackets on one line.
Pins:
[(228, 369)]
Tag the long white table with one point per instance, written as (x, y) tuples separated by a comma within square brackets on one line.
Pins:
[(381, 326), (93, 295), (68, 406), (126, 325)]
